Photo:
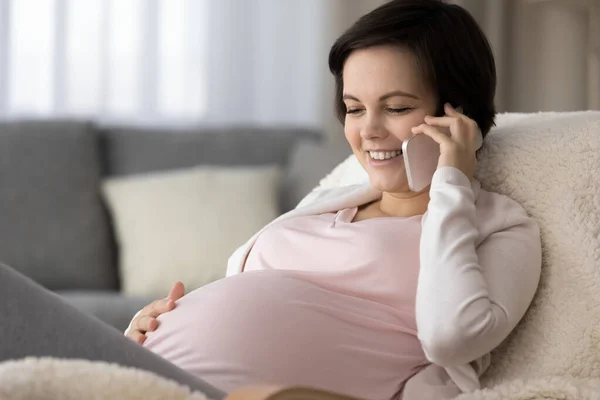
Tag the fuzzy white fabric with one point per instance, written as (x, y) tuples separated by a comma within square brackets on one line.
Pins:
[(550, 164), (555, 388), (56, 379)]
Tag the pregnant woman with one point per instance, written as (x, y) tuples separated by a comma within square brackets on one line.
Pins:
[(374, 290)]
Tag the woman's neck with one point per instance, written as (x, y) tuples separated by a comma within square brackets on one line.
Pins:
[(404, 204)]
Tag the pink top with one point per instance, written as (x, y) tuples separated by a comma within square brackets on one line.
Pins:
[(323, 302), (479, 260)]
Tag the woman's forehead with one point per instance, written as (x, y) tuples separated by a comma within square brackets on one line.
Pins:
[(383, 68)]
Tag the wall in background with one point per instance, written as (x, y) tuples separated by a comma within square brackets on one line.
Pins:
[(547, 52)]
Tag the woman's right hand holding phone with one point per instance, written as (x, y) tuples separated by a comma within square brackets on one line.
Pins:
[(145, 320), (459, 148)]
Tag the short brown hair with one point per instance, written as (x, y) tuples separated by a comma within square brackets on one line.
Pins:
[(450, 48)]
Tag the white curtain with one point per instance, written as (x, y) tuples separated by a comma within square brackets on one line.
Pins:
[(267, 61), (257, 61), (164, 61)]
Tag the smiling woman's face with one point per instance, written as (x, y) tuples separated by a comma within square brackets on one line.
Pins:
[(385, 96)]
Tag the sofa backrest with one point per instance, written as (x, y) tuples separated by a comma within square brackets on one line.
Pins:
[(54, 226), (127, 151)]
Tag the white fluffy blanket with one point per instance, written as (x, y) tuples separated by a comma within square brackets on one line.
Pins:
[(550, 163), (556, 388), (55, 379)]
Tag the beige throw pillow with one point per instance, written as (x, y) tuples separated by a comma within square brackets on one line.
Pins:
[(183, 225)]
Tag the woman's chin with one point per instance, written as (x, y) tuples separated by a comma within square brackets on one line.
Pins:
[(385, 184)]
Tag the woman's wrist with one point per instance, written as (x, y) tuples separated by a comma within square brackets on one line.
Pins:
[(449, 175)]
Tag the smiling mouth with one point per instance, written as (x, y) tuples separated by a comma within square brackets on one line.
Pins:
[(384, 155)]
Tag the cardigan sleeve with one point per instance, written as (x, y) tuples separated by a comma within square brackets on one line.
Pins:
[(469, 296)]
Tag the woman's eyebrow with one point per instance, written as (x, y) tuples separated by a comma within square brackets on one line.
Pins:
[(400, 93), (386, 96)]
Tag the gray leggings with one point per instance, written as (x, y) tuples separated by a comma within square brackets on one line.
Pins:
[(37, 322)]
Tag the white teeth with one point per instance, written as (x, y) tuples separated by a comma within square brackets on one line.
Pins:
[(384, 155)]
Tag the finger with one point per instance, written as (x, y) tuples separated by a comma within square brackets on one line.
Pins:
[(156, 308), (162, 306), (456, 127), (177, 291), (146, 323), (432, 132), (140, 323), (461, 128), (446, 121), (451, 111), (150, 307), (137, 337)]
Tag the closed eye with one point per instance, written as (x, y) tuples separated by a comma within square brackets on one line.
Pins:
[(401, 110), (398, 110), (353, 110)]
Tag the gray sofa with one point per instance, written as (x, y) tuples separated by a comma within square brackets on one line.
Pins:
[(54, 226)]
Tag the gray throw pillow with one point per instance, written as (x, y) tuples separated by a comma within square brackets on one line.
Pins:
[(53, 224)]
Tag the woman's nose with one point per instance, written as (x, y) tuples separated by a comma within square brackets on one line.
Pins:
[(373, 129)]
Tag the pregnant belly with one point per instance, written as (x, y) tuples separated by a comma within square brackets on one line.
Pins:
[(273, 327)]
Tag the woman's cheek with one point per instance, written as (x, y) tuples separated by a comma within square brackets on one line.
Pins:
[(402, 129), (352, 133)]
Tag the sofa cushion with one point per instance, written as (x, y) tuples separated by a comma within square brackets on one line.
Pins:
[(183, 225), (54, 227)]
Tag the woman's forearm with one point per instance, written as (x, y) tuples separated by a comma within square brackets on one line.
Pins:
[(471, 296)]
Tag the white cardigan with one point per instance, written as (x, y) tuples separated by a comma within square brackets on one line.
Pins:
[(480, 266)]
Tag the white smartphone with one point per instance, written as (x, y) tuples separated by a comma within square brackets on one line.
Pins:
[(421, 155)]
